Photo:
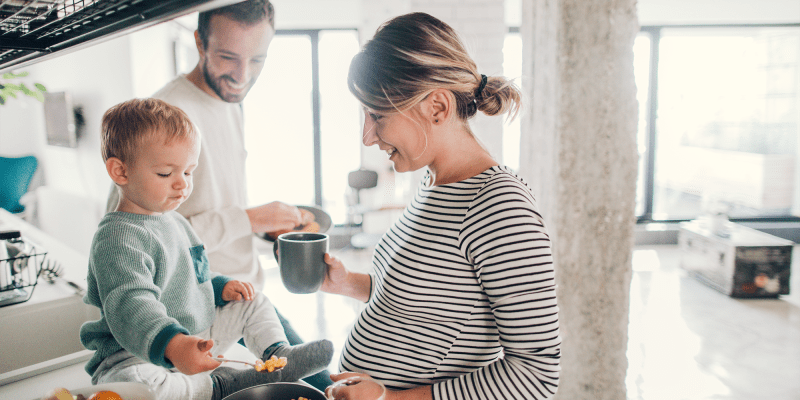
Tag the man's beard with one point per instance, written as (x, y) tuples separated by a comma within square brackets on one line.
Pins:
[(216, 86)]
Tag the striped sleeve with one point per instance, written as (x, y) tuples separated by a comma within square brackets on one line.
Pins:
[(504, 238)]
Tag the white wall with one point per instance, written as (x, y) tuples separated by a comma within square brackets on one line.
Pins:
[(74, 179), (317, 14), (677, 12)]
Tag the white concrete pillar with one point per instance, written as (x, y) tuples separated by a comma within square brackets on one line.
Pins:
[(578, 153)]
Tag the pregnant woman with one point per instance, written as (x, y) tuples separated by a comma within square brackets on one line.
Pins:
[(461, 301)]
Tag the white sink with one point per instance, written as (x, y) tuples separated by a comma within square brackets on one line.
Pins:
[(44, 328)]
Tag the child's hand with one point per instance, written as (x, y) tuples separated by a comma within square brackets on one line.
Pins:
[(190, 354), (238, 290)]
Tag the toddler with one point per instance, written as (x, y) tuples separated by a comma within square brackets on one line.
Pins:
[(165, 315)]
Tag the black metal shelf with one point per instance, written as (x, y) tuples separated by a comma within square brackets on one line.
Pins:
[(35, 30)]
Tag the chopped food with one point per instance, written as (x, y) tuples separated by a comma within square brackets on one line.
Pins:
[(270, 365), (59, 394), (312, 227), (307, 216)]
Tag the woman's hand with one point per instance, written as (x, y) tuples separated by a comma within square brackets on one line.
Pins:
[(355, 386), (338, 280), (238, 290), (335, 276)]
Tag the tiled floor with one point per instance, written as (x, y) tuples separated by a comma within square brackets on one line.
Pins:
[(686, 341)]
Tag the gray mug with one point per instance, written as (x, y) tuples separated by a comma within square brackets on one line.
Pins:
[(301, 259)]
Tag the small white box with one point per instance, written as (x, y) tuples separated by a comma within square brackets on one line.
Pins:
[(747, 263)]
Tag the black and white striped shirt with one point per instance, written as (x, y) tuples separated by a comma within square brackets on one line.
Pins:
[(464, 296)]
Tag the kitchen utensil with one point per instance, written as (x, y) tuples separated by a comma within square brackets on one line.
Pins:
[(320, 217), (300, 257), (53, 270), (278, 391), (222, 359)]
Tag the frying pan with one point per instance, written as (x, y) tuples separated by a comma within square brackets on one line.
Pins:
[(278, 391)]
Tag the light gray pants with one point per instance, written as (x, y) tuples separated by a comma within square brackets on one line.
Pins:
[(256, 321)]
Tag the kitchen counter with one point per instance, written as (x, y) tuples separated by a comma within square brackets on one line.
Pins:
[(41, 335)]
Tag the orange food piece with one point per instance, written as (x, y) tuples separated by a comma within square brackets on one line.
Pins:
[(270, 365), (307, 217), (312, 226), (105, 395)]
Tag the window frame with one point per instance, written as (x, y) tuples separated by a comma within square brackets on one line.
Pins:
[(649, 179), (316, 100)]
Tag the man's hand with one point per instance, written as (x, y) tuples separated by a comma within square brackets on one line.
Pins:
[(238, 290), (274, 217), (190, 354)]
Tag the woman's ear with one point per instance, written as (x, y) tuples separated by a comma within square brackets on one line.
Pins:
[(117, 170), (439, 106)]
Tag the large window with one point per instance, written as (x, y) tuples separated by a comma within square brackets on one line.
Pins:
[(719, 116), (301, 122)]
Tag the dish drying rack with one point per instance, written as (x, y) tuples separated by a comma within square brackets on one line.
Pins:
[(21, 264)]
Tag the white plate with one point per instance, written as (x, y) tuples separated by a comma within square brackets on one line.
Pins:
[(128, 390)]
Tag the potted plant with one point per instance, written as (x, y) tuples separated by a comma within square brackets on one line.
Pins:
[(10, 86)]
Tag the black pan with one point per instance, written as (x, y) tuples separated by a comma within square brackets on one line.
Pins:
[(278, 391)]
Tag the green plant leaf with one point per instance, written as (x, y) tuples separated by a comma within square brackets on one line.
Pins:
[(11, 75), (9, 90)]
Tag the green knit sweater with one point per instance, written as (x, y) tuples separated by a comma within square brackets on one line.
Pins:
[(149, 276)]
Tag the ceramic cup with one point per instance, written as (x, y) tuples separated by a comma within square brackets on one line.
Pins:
[(301, 259)]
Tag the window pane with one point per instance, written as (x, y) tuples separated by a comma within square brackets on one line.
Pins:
[(727, 122), (512, 69), (279, 126), (340, 120), (641, 71)]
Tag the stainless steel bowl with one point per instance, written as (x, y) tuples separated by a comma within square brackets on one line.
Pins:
[(278, 391)]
